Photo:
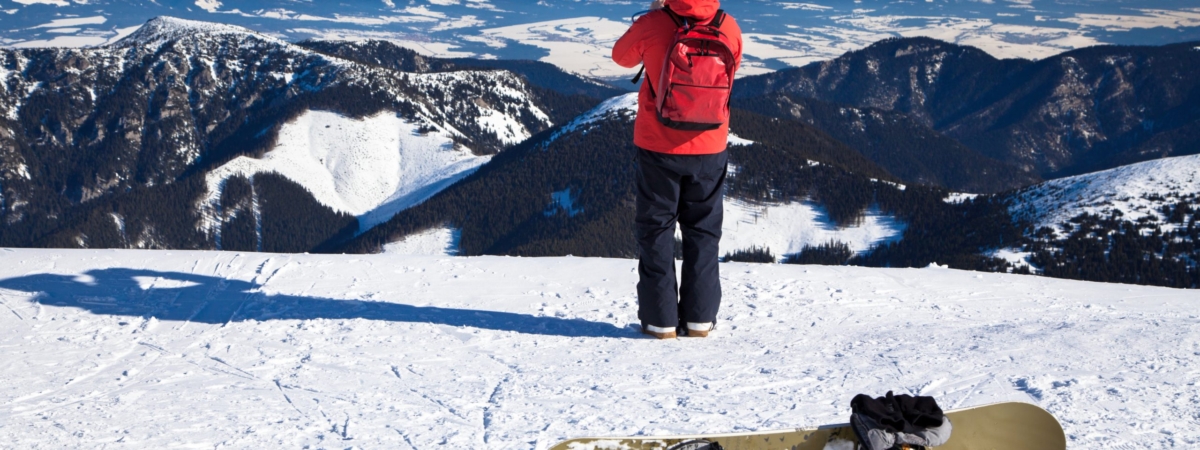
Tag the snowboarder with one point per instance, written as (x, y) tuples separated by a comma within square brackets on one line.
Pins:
[(689, 51)]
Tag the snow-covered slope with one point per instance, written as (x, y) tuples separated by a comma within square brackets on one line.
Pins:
[(371, 168), (620, 107), (787, 228), (162, 30), (441, 241), (484, 102), (1136, 192), (207, 349), (177, 98)]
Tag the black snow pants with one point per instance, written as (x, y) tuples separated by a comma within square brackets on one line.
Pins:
[(686, 189)]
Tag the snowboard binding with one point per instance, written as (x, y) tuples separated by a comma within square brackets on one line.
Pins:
[(696, 444)]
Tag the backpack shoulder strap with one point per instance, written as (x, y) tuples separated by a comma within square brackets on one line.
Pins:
[(718, 19), (679, 20)]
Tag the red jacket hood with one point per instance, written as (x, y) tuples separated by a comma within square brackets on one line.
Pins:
[(696, 9)]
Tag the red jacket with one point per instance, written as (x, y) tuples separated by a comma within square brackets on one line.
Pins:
[(646, 42)]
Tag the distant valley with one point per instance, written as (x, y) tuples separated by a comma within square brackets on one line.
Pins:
[(576, 35)]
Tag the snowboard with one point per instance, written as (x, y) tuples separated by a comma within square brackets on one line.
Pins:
[(997, 426)]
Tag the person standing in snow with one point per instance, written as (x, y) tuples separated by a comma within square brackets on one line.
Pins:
[(681, 133)]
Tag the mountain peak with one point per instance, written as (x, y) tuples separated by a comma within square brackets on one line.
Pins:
[(921, 45), (166, 28)]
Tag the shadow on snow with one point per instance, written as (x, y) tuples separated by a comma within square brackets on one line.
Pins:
[(213, 300)]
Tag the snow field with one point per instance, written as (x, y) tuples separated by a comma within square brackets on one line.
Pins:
[(147, 349), (1014, 256), (787, 228), (581, 45), (372, 168)]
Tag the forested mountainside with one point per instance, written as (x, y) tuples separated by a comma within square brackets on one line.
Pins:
[(1132, 224), (109, 146), (1080, 111), (571, 192), (387, 54), (566, 95), (905, 147), (191, 135)]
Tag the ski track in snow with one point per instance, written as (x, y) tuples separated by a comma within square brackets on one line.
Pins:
[(149, 349)]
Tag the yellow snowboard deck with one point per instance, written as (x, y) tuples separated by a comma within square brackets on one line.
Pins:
[(1000, 426)]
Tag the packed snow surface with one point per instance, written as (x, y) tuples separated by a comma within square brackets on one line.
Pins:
[(153, 349), (372, 168), (1135, 191)]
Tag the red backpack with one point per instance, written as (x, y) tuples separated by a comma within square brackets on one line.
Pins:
[(697, 76)]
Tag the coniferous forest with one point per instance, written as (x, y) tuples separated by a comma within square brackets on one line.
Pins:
[(1110, 249)]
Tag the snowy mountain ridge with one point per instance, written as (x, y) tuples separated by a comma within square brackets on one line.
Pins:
[(180, 98), (232, 53), (164, 29), (1077, 112), (622, 106), (1132, 224), (1135, 193)]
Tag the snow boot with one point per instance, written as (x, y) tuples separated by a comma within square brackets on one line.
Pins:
[(700, 330), (658, 332)]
